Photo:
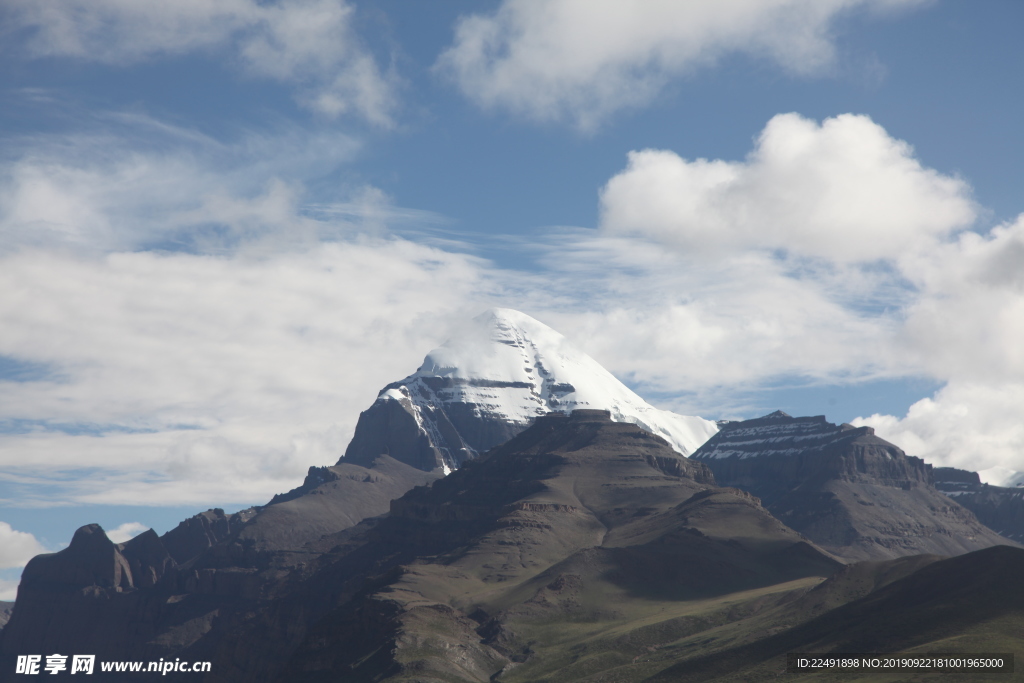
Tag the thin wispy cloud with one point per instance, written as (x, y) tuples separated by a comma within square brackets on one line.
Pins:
[(308, 45), (127, 181)]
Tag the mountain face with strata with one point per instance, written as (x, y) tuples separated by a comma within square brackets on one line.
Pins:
[(1000, 508), (578, 519), (489, 383), (851, 492)]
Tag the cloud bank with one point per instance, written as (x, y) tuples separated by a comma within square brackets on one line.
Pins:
[(192, 378), (198, 330), (202, 332)]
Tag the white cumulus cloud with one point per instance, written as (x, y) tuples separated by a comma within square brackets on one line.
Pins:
[(8, 590), (969, 320), (17, 547), (965, 326), (842, 190), (829, 254), (585, 59), (972, 426), (308, 44)]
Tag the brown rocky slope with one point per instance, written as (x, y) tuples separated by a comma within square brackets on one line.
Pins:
[(577, 518)]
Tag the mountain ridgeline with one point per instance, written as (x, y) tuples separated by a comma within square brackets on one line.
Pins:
[(857, 495), (511, 512)]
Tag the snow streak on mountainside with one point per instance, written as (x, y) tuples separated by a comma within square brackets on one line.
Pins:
[(489, 383)]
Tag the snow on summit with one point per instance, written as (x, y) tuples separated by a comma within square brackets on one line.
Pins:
[(493, 378)]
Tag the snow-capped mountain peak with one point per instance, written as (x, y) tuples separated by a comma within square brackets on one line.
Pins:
[(492, 379)]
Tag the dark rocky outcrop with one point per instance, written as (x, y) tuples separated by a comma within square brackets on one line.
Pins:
[(999, 508), (953, 479), (846, 489), (202, 531), (84, 599), (148, 559), (91, 559), (155, 596), (423, 437)]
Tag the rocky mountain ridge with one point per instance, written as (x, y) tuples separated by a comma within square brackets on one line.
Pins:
[(573, 499), (850, 491)]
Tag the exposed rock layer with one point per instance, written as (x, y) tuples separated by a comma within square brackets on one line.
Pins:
[(846, 489)]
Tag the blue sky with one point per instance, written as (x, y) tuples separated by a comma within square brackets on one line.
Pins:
[(225, 225)]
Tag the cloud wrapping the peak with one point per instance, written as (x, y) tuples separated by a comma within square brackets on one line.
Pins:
[(842, 190), (677, 325), (307, 44), (582, 60)]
